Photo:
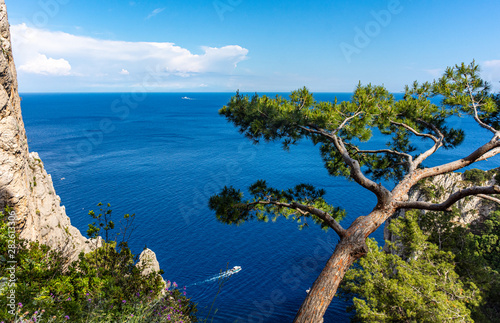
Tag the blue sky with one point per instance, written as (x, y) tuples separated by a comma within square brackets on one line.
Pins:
[(225, 45)]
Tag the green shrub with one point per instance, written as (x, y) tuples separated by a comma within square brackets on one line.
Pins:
[(421, 286), (476, 176), (101, 286), (428, 192), (434, 259)]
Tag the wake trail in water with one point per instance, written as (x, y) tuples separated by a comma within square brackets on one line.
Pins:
[(225, 274)]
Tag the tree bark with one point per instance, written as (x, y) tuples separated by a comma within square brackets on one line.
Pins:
[(350, 248), (352, 245)]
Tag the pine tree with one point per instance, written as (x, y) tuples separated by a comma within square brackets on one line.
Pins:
[(339, 128), (421, 285)]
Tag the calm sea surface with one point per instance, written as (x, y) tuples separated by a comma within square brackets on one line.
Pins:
[(161, 156)]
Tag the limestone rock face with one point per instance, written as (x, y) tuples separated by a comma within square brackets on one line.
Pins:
[(148, 262), (440, 187), (25, 186)]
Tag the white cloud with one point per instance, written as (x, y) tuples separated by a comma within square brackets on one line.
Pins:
[(41, 64), (495, 63), (435, 72), (491, 73), (155, 12), (48, 52)]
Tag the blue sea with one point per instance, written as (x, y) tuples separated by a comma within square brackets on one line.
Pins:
[(162, 155)]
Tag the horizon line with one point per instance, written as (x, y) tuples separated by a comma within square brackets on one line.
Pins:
[(206, 92)]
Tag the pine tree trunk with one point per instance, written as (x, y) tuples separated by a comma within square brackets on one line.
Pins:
[(324, 288)]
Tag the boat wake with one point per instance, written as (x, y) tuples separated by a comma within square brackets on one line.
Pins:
[(222, 275)]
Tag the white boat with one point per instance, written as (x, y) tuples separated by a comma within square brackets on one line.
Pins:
[(235, 269), (186, 98)]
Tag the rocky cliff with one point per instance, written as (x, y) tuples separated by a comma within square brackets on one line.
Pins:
[(25, 186), (439, 188)]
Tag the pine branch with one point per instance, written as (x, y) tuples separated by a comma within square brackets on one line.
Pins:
[(437, 144), (452, 199), (433, 127), (489, 154), (476, 114), (346, 120), (382, 151), (415, 132), (379, 190), (438, 141), (484, 152), (488, 197), (304, 210)]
